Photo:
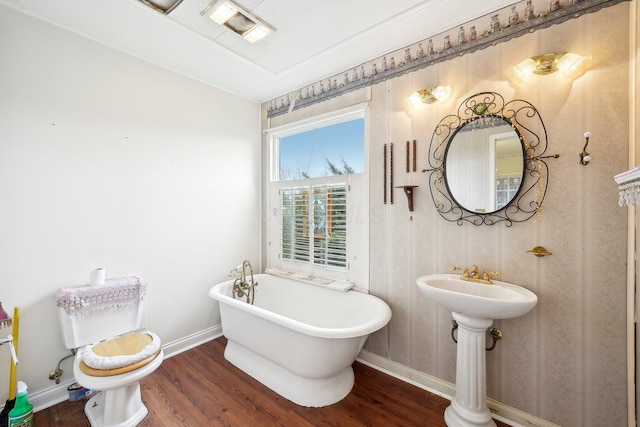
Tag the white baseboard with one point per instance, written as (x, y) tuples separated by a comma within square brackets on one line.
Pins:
[(53, 395), (507, 414), (186, 343)]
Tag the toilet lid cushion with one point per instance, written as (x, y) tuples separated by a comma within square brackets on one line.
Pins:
[(120, 352)]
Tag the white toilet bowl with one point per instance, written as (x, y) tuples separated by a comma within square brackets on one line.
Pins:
[(119, 402)]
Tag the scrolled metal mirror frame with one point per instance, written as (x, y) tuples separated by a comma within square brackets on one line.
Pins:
[(526, 120)]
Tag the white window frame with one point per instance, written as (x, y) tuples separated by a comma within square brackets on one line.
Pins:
[(357, 251)]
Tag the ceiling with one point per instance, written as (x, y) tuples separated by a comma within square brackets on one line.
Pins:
[(314, 39)]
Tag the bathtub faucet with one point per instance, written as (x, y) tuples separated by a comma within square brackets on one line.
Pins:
[(241, 287)]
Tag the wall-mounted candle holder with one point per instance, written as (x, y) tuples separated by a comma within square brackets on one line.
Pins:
[(408, 191), (585, 158)]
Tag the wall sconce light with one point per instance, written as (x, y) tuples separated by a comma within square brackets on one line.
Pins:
[(429, 96), (585, 158), (569, 64), (238, 20)]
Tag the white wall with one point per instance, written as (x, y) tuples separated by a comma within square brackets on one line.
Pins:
[(108, 161)]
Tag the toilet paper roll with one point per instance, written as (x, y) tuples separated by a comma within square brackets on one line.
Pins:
[(97, 277)]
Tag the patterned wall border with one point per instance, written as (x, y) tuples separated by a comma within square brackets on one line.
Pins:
[(505, 24)]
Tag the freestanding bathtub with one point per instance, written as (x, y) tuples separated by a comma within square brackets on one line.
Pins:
[(299, 339)]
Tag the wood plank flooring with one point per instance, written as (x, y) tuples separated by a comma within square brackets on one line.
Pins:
[(199, 388)]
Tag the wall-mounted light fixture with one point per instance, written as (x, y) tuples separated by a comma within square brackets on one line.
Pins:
[(429, 96), (237, 19), (585, 158), (569, 64)]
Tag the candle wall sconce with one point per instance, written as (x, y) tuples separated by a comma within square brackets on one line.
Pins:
[(585, 158), (408, 191)]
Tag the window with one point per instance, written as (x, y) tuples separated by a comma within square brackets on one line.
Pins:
[(318, 198), (330, 150)]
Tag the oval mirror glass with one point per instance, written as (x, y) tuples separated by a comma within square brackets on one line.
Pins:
[(484, 164)]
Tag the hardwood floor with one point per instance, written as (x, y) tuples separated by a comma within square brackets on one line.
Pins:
[(200, 388)]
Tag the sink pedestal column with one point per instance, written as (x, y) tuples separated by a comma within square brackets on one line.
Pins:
[(469, 406)]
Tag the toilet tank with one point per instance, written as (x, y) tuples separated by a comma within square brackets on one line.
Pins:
[(92, 313)]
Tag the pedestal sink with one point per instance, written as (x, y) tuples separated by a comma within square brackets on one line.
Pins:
[(474, 306)]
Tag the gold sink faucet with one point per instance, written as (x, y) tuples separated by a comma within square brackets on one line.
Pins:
[(473, 275)]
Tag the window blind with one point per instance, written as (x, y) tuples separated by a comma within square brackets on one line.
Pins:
[(314, 225)]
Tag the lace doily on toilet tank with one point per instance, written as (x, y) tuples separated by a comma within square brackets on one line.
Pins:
[(114, 294)]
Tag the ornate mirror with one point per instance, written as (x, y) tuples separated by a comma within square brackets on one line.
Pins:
[(487, 161)]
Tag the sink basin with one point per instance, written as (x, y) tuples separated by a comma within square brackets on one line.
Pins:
[(501, 300), (474, 306)]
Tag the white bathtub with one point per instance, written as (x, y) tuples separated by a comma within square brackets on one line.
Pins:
[(298, 339)]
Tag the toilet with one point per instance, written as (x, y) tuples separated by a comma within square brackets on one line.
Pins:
[(102, 322)]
